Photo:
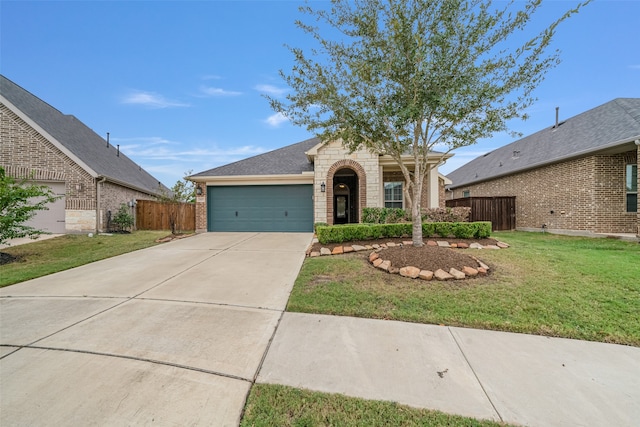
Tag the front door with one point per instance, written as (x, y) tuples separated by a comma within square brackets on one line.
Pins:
[(341, 209)]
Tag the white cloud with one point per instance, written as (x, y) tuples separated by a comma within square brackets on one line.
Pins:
[(271, 90), (276, 120), (151, 100), (216, 91)]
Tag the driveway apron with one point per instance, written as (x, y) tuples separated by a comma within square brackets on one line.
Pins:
[(173, 334)]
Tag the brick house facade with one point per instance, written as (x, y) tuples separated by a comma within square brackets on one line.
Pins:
[(340, 184), (50, 148), (586, 191)]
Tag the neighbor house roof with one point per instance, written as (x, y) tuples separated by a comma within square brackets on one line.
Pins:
[(611, 125), (289, 160), (76, 140)]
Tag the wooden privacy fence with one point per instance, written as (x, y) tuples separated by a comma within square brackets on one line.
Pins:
[(152, 215), (501, 211)]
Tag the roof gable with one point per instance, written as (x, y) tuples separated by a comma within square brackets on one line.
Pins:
[(78, 141), (612, 124), (289, 160)]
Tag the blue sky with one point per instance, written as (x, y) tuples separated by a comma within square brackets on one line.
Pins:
[(179, 84)]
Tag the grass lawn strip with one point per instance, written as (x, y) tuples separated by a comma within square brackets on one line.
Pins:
[(275, 405), (72, 250), (544, 284)]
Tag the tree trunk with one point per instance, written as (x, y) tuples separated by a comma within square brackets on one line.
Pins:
[(416, 216)]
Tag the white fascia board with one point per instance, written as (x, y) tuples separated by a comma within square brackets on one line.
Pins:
[(304, 178), (48, 137)]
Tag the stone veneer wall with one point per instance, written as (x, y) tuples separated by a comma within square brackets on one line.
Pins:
[(586, 194), (333, 157)]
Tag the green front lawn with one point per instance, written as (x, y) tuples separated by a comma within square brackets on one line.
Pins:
[(545, 284), (72, 250), (275, 405)]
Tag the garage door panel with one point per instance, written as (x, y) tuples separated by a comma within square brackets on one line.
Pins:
[(260, 208), (51, 220)]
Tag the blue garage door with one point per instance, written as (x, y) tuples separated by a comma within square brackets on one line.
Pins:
[(260, 208)]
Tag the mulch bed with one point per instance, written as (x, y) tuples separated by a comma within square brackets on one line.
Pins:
[(6, 258), (426, 257)]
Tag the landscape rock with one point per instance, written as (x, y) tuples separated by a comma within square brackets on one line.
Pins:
[(463, 246), (482, 271), (375, 246), (385, 265), (394, 270), (454, 245), (502, 245), (457, 274), (492, 247), (314, 254), (374, 256), (348, 249), (431, 243), (469, 271), (377, 262), (410, 271), (337, 250), (325, 251), (425, 275), (358, 248), (407, 243), (475, 245), (391, 245), (440, 274), (443, 244)]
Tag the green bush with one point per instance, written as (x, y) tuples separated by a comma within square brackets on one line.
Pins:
[(123, 220), (384, 215), (457, 214), (351, 232)]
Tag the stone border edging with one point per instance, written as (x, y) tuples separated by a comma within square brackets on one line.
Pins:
[(414, 272)]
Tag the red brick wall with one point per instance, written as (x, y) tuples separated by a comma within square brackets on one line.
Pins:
[(586, 194)]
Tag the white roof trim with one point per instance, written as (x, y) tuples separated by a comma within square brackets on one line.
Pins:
[(47, 136), (304, 178)]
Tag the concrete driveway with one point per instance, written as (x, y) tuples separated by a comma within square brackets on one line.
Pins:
[(173, 334)]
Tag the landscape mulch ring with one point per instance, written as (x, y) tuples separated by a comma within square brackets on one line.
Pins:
[(426, 257)]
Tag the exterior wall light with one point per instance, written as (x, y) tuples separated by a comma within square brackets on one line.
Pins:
[(323, 187), (199, 190)]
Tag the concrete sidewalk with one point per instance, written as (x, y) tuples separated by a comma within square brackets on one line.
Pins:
[(169, 335), (515, 378)]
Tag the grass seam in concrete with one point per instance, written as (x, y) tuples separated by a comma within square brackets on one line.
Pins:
[(475, 374)]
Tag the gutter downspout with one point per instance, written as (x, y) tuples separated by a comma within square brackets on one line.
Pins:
[(98, 198)]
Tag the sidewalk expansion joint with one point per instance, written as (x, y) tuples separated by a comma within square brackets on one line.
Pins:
[(475, 374)]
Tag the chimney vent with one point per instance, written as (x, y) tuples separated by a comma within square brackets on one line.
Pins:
[(107, 139), (557, 117), (118, 153)]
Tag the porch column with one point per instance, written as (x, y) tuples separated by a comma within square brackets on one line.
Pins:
[(434, 190)]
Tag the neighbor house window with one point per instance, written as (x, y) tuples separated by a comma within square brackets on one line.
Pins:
[(393, 195), (632, 188), (466, 193)]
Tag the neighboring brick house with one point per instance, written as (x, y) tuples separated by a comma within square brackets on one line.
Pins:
[(291, 188), (57, 150), (577, 175)]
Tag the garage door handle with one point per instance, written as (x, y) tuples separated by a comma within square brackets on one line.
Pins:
[(286, 213), (236, 213)]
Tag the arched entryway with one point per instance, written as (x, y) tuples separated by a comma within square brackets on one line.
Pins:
[(345, 192)]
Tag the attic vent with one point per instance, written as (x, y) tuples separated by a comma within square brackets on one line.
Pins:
[(516, 154)]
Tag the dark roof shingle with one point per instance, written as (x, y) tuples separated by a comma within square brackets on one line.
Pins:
[(610, 124), (289, 160), (80, 140)]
